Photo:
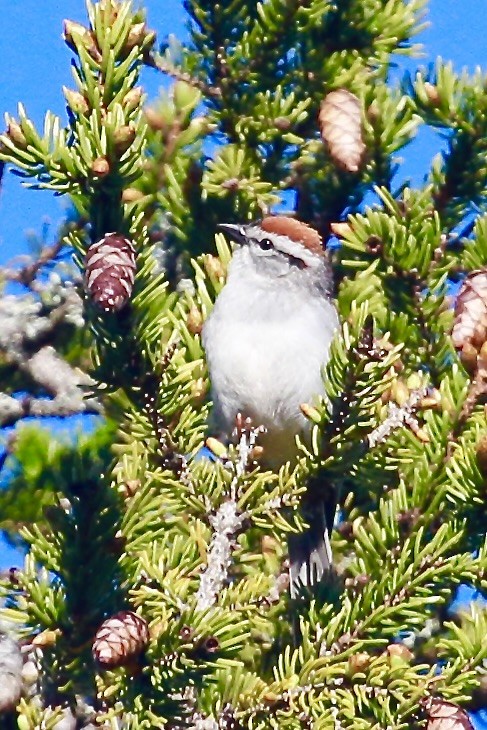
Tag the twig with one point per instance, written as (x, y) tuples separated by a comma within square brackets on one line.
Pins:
[(225, 524), (28, 273), (162, 64), (13, 410), (477, 392), (47, 369), (398, 416)]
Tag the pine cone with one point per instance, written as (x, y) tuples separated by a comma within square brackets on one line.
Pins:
[(110, 271), (443, 715), (341, 129), (469, 331), (120, 639)]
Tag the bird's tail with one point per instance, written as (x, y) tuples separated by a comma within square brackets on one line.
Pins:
[(310, 555)]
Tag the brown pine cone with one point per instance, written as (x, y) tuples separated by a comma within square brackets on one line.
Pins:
[(469, 331), (443, 715), (110, 268), (341, 129), (120, 639)]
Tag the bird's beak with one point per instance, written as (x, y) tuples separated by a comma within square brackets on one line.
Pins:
[(233, 231)]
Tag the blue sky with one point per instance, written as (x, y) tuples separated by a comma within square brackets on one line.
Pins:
[(36, 64)]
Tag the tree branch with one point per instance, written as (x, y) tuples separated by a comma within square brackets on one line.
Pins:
[(160, 63)]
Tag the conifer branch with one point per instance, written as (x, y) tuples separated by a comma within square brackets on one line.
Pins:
[(26, 274), (397, 417), (477, 394), (155, 60), (226, 524)]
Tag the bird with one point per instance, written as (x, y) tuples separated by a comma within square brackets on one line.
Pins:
[(267, 341)]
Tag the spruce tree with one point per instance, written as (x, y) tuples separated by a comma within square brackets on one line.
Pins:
[(155, 591)]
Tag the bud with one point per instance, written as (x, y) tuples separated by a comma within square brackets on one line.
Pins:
[(268, 544), (194, 320), (257, 453), (198, 389), (421, 435), (270, 697), (432, 400), (358, 663), (133, 98), (76, 34), (135, 36), (129, 488), (131, 195), (399, 655), (123, 138), (15, 133), (432, 93), (233, 184), (216, 447), (73, 31), (100, 167), (310, 412), (214, 267), (400, 392), (46, 638), (150, 39), (155, 120), (282, 124), (138, 35), (340, 229), (76, 101)]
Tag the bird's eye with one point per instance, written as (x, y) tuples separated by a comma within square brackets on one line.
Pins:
[(265, 244)]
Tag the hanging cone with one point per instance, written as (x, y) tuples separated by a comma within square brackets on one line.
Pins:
[(443, 715), (110, 271), (120, 639), (469, 331), (341, 129)]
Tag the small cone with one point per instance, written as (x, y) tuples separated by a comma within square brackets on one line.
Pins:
[(341, 129), (110, 271), (120, 639), (469, 331), (443, 715)]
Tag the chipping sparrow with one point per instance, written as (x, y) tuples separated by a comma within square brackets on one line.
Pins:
[(267, 340)]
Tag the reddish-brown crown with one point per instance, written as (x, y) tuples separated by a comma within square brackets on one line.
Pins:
[(298, 231)]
